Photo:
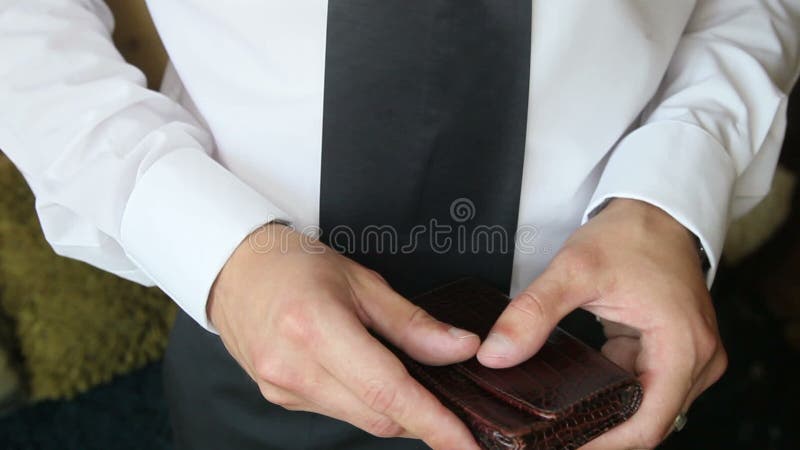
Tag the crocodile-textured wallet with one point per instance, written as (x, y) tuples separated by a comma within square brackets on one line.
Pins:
[(563, 397)]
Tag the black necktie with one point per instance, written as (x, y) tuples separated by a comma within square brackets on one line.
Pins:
[(425, 117)]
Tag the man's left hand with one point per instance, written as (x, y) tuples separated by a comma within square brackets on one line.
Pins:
[(638, 270)]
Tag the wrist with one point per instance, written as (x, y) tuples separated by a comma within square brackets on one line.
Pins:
[(654, 221), (651, 216), (260, 242)]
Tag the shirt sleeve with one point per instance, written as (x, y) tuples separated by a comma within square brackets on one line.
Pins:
[(123, 176), (709, 141)]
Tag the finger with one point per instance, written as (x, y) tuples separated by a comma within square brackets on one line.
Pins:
[(529, 319), (412, 329), (622, 351), (337, 402), (287, 377), (331, 398), (340, 403), (666, 379), (378, 379)]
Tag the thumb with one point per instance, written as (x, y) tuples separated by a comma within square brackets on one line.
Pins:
[(413, 330), (529, 319)]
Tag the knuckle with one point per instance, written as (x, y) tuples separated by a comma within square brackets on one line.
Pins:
[(416, 321), (274, 372), (383, 427), (269, 372), (723, 361), (297, 325), (708, 344), (267, 368), (530, 303), (382, 398), (278, 397), (719, 366), (418, 316), (375, 276)]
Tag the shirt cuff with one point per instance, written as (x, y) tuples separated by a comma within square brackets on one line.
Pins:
[(679, 168), (183, 220)]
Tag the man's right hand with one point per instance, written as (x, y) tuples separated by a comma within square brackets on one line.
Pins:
[(297, 322)]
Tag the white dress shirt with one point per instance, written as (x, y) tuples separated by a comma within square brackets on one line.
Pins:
[(678, 103)]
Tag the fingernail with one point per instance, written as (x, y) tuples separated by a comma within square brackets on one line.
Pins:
[(496, 345), (458, 333)]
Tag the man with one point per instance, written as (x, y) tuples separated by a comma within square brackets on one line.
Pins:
[(610, 142)]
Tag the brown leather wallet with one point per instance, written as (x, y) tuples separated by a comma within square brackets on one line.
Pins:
[(563, 397)]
